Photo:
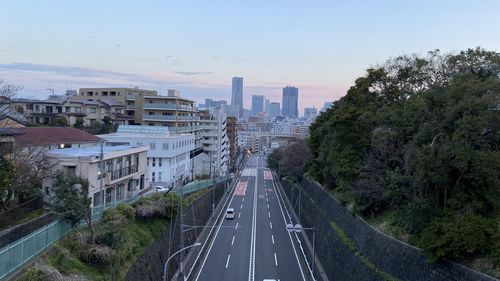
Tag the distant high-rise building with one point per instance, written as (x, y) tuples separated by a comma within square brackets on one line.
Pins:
[(290, 102), (257, 104), (274, 109), (237, 94), (310, 113), (266, 106), (326, 106), (215, 103)]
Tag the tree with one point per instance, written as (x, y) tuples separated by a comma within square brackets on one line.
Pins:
[(79, 123), (7, 93), (58, 122), (107, 125), (72, 201), (6, 170)]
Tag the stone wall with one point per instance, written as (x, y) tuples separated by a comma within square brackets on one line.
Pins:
[(364, 253)]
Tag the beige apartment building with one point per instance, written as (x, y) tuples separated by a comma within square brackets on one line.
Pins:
[(131, 98), (125, 170)]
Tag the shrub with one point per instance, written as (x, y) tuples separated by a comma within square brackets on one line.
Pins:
[(99, 256), (456, 237), (34, 274)]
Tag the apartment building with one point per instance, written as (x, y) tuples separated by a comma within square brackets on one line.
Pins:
[(215, 140), (168, 157), (125, 170), (232, 134), (132, 98)]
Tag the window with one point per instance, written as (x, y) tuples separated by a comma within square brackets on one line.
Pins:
[(154, 162), (159, 162), (159, 176), (91, 110), (152, 146), (78, 109), (137, 160), (165, 146), (109, 166), (68, 108), (153, 176)]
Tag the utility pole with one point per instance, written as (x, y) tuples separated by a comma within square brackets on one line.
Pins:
[(181, 267)]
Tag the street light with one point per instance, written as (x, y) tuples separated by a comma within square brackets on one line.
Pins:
[(300, 193), (165, 268)]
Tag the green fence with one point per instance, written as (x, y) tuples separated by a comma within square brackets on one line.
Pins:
[(16, 254)]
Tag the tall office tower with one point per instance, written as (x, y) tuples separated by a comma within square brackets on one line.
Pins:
[(237, 94), (266, 106), (274, 109), (257, 104), (290, 102)]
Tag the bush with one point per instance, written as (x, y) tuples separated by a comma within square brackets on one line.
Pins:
[(99, 256), (457, 238), (34, 274)]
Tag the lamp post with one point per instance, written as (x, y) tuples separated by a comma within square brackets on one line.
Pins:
[(165, 268), (299, 189)]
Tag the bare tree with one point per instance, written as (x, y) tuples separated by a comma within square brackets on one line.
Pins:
[(7, 93)]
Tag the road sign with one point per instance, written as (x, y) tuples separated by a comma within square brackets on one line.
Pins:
[(289, 227), (298, 228)]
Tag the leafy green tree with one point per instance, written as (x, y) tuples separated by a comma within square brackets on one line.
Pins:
[(6, 171), (58, 122), (73, 202), (78, 123)]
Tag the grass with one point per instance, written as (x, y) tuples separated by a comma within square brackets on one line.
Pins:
[(33, 215), (130, 236), (385, 223)]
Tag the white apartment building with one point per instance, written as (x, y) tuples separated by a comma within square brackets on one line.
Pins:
[(125, 170), (168, 155), (215, 141)]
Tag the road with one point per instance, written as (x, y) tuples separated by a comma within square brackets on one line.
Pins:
[(255, 245)]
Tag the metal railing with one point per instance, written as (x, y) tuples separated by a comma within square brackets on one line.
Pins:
[(123, 172)]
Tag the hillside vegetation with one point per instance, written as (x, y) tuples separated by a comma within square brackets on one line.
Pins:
[(415, 144)]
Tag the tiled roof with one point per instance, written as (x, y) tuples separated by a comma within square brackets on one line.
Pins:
[(9, 132), (53, 135)]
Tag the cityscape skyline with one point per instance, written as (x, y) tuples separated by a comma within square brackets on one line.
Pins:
[(322, 51)]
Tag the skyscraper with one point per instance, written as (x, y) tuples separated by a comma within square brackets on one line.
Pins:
[(290, 102), (257, 104), (274, 109), (310, 113), (237, 95), (266, 106)]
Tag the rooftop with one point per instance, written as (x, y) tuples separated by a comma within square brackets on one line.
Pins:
[(92, 151), (53, 136)]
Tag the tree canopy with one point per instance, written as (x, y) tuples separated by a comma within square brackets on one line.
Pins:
[(419, 135)]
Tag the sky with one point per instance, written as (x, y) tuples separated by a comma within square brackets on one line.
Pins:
[(321, 47)]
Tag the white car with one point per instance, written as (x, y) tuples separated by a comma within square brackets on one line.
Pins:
[(159, 188), (230, 213)]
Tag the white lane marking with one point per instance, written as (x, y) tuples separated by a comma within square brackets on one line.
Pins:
[(251, 267), (271, 225), (229, 256), (239, 214), (268, 206), (272, 238), (280, 196), (215, 237), (236, 227), (243, 200), (267, 199), (268, 214), (232, 242), (241, 206), (275, 260)]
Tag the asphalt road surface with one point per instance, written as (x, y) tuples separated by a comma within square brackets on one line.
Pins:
[(255, 244)]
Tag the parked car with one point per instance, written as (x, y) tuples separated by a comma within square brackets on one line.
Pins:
[(159, 188)]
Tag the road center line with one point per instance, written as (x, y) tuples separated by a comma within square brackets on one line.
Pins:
[(268, 206), (272, 238), (229, 256), (271, 225), (268, 214), (243, 200), (275, 260), (241, 206), (239, 214), (232, 242), (236, 227)]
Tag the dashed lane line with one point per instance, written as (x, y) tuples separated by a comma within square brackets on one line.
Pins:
[(229, 257), (232, 242)]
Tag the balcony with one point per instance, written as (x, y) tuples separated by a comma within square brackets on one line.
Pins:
[(167, 106), (113, 176), (172, 118), (130, 106), (130, 97)]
